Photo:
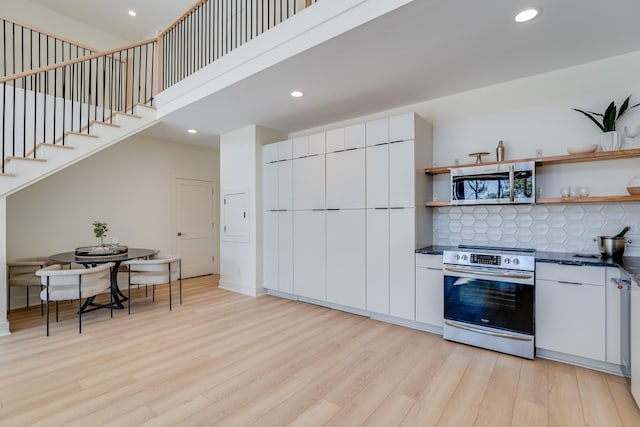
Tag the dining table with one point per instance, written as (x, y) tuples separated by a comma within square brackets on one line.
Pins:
[(91, 261)]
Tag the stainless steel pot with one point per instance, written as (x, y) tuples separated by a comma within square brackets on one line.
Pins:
[(611, 246)]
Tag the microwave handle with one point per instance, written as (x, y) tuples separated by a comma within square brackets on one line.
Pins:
[(512, 192)]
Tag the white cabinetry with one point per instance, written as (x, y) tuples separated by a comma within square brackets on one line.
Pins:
[(346, 257), (346, 179), (402, 266), (378, 260), (285, 251), (402, 174), (377, 176), (309, 266), (270, 250), (377, 132), (309, 183), (285, 185), (429, 289), (635, 341), (570, 310)]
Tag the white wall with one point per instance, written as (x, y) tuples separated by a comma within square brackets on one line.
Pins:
[(240, 158), (48, 20), (130, 186)]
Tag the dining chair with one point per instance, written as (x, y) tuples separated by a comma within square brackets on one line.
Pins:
[(157, 270), (21, 273), (76, 283)]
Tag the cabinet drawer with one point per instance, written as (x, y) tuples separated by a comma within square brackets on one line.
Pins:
[(570, 273), (429, 261)]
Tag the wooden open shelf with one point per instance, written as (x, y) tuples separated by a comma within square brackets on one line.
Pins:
[(551, 160), (558, 200)]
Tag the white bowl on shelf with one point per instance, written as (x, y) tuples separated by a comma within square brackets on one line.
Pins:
[(582, 148)]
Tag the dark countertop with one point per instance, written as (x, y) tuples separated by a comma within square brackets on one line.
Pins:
[(629, 264)]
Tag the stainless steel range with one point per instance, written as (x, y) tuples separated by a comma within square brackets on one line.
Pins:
[(489, 298)]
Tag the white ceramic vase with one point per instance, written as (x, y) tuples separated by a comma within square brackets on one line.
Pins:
[(610, 141), (633, 187)]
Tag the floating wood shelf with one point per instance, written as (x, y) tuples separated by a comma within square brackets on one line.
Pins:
[(436, 204), (552, 160), (558, 200)]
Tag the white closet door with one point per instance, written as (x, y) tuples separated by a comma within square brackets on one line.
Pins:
[(285, 185), (377, 176), (346, 236), (309, 266), (402, 175), (346, 180), (378, 260), (285, 251), (270, 250), (308, 183), (270, 186), (402, 267)]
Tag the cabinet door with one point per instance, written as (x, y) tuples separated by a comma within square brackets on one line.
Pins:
[(355, 136), (635, 341), (402, 128), (402, 175), (317, 144), (270, 153), (570, 318), (346, 180), (346, 234), (378, 260), (377, 132), (335, 140), (430, 295), (270, 186), (285, 185), (285, 251), (377, 176), (308, 183), (270, 250), (300, 147), (402, 268), (309, 257), (285, 150)]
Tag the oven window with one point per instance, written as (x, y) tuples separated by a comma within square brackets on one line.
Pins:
[(495, 304)]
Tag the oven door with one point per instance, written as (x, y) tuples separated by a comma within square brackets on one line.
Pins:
[(494, 298)]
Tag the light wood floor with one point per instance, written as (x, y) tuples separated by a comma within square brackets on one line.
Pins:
[(226, 359)]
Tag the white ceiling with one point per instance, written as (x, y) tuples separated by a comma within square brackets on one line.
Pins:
[(111, 16), (424, 50)]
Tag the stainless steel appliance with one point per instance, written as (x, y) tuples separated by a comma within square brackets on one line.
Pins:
[(624, 287), (505, 183), (489, 298)]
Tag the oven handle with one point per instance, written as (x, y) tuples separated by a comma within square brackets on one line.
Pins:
[(488, 273), (482, 331), (512, 190)]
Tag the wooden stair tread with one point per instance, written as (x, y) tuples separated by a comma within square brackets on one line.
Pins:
[(7, 174), (29, 159), (127, 115), (89, 135), (99, 122)]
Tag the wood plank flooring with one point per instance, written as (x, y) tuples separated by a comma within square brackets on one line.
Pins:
[(228, 360)]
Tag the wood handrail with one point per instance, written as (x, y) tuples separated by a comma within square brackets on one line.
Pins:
[(182, 17), (75, 61), (64, 39)]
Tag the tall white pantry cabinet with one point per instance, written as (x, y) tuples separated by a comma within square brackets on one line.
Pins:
[(345, 209)]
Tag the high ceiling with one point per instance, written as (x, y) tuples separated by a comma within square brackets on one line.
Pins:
[(424, 50)]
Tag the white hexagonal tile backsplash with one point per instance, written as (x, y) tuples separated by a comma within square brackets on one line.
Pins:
[(557, 228)]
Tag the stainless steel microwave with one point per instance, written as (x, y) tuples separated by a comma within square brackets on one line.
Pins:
[(505, 183)]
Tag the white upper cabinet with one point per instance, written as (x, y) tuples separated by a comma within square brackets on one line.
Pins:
[(335, 140), (346, 179), (346, 257), (402, 174), (354, 136), (270, 186), (285, 185), (377, 132), (309, 183), (402, 128), (312, 145), (377, 176), (285, 150), (270, 153)]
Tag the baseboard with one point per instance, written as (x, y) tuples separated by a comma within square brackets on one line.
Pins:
[(407, 323), (4, 329), (597, 365), (241, 288)]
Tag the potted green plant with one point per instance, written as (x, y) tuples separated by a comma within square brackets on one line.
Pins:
[(100, 230), (607, 122)]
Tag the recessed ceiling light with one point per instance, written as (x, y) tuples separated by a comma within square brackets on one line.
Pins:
[(192, 131), (297, 94), (527, 14), (132, 13)]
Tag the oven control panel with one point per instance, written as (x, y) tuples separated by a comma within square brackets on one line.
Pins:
[(512, 261)]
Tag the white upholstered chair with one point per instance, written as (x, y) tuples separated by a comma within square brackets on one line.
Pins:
[(158, 270), (70, 284), (21, 273)]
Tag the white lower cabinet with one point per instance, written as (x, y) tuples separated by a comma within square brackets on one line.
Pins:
[(270, 258), (309, 266), (570, 310), (429, 289), (378, 260), (346, 234), (402, 268), (285, 251)]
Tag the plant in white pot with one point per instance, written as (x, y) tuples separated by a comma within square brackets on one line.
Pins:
[(610, 138)]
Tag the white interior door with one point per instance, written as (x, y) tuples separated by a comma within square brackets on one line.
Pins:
[(195, 227)]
